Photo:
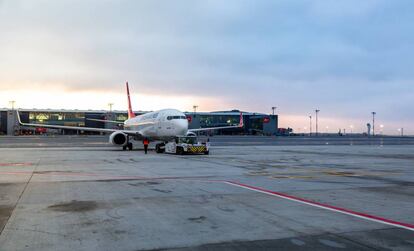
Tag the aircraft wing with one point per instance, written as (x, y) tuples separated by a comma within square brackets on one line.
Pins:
[(106, 121), (90, 129), (213, 128), (240, 125)]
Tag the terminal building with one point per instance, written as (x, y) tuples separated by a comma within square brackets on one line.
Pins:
[(254, 123)]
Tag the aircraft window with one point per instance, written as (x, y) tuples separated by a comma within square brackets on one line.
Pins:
[(176, 117)]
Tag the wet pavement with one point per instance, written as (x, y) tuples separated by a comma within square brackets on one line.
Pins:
[(82, 194)]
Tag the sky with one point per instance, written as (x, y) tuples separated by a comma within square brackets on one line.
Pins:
[(344, 57)]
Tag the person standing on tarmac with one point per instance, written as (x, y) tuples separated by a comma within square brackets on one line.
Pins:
[(146, 143)]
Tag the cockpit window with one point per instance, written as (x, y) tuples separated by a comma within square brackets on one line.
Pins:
[(176, 117)]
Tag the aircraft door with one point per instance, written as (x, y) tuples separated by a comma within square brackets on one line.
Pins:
[(169, 124), (160, 124)]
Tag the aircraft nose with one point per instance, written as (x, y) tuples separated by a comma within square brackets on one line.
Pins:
[(181, 126)]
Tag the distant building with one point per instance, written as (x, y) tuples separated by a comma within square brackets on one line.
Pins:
[(255, 123)]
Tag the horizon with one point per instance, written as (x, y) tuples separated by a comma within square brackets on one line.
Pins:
[(324, 127)]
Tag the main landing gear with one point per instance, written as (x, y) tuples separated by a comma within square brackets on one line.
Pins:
[(127, 146)]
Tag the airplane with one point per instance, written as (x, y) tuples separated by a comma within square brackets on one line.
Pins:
[(162, 125)]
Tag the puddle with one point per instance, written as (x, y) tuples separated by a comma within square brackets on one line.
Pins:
[(197, 219), (75, 206)]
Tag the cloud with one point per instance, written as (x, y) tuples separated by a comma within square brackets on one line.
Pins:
[(345, 57)]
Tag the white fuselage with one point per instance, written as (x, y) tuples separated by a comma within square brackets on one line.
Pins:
[(159, 125)]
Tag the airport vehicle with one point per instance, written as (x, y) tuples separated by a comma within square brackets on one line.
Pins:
[(163, 125), (183, 145)]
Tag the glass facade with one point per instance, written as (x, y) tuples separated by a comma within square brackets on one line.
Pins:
[(61, 118), (3, 122), (54, 118), (253, 122), (256, 123), (218, 120), (121, 117)]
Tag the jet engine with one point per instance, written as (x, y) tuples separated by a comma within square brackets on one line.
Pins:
[(118, 138)]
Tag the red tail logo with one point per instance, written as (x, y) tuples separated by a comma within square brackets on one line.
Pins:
[(131, 114)]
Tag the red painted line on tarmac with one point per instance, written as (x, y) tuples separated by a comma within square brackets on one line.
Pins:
[(326, 206)]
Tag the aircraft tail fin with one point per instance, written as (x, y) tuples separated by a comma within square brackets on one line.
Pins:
[(131, 114)]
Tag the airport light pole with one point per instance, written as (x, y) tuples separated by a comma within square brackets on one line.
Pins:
[(110, 106), (310, 125), (373, 123), (273, 110), (401, 130), (110, 116), (352, 128), (12, 102), (317, 112), (195, 109)]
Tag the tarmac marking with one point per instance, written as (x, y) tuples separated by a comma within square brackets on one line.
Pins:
[(63, 173), (17, 164), (103, 177), (16, 173), (325, 206)]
